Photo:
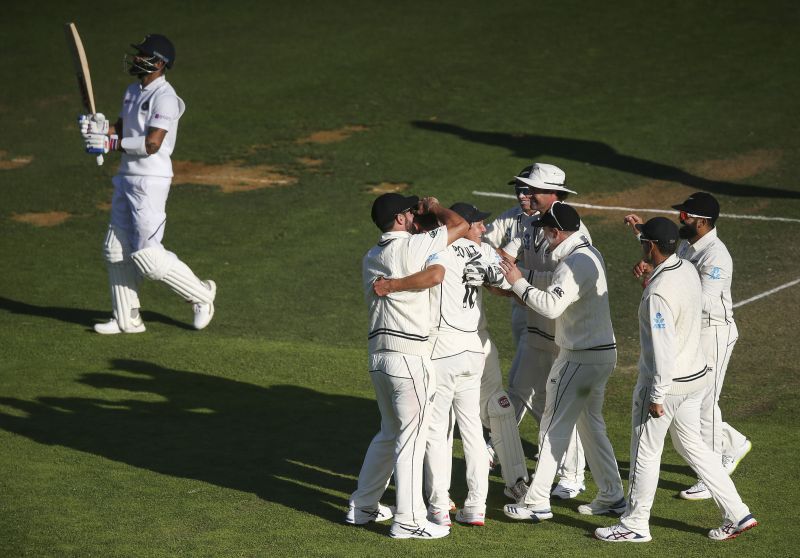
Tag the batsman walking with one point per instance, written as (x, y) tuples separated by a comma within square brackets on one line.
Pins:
[(145, 133)]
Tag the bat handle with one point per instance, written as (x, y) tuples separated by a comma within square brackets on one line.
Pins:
[(99, 160)]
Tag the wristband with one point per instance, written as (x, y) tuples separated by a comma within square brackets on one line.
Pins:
[(113, 142), (134, 146)]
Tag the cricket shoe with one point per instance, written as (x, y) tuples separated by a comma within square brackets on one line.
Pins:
[(470, 518), (523, 513), (619, 533), (422, 530), (730, 462), (565, 490), (598, 508), (204, 311), (362, 516), (439, 516), (516, 492), (698, 491), (730, 530), (111, 327)]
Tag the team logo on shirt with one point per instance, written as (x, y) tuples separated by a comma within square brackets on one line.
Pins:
[(558, 291), (433, 233), (715, 273), (659, 322), (504, 402), (146, 105)]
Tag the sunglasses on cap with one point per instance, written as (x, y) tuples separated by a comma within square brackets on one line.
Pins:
[(683, 215)]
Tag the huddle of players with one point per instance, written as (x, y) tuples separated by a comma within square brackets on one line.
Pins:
[(432, 362)]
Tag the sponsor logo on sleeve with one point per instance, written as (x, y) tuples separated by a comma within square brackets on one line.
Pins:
[(659, 322), (433, 233), (504, 402), (558, 291)]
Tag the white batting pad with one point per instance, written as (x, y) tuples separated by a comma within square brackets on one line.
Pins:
[(124, 281), (160, 265), (116, 246), (505, 438)]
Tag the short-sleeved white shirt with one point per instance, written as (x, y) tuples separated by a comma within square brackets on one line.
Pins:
[(154, 106)]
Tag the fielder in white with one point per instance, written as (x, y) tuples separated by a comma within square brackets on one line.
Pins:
[(709, 255), (496, 411), (670, 391), (400, 366), (542, 185), (145, 133), (577, 299)]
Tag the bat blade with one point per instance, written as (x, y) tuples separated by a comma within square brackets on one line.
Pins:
[(82, 73)]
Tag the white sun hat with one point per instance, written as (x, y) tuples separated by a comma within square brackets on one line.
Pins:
[(545, 177)]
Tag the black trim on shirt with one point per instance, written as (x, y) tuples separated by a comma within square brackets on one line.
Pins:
[(541, 333), (396, 333), (692, 377)]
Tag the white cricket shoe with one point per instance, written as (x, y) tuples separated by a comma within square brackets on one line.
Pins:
[(618, 533), (362, 516), (516, 492), (471, 518), (422, 530), (730, 530), (523, 513), (698, 491), (111, 327), (598, 508), (565, 490), (204, 311), (730, 462), (439, 516)]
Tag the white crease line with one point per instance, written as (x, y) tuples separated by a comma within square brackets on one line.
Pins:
[(642, 210), (766, 293)]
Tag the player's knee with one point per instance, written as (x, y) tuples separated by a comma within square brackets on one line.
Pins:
[(116, 246), (153, 262)]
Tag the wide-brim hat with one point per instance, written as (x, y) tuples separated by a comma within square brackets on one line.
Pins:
[(545, 177)]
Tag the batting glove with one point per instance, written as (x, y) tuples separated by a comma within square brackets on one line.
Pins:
[(99, 144), (93, 124), (494, 275)]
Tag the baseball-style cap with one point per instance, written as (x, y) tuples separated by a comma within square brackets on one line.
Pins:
[(526, 172), (659, 230), (700, 204), (386, 206), (545, 177), (469, 212), (560, 216), (158, 46)]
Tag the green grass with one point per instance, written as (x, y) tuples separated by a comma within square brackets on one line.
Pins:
[(245, 439)]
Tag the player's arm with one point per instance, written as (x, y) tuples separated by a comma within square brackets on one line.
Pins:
[(715, 278), (550, 302), (457, 227), (154, 139), (425, 279), (662, 330), (632, 220)]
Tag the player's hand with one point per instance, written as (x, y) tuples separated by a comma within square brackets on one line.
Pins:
[(382, 286), (641, 269), (510, 271), (656, 410), (99, 144), (425, 204), (632, 220), (93, 124)]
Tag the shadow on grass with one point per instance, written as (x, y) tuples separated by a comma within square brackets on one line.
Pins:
[(287, 444), (534, 146), (79, 316)]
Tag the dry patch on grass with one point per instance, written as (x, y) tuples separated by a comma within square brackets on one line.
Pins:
[(230, 177), (310, 162), (8, 163), (45, 219), (332, 136), (103, 206), (386, 187), (740, 167)]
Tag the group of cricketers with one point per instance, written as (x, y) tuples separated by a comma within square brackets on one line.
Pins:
[(434, 366)]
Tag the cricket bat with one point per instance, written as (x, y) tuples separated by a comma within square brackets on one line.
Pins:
[(81, 71)]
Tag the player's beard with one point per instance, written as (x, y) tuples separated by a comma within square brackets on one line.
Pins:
[(687, 231)]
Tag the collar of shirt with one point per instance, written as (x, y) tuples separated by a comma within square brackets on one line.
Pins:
[(705, 240), (570, 243), (395, 234), (153, 84), (672, 260)]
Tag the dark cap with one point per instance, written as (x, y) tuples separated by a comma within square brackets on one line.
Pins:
[(524, 173), (700, 204), (469, 212), (659, 230), (560, 216), (158, 46), (386, 206)]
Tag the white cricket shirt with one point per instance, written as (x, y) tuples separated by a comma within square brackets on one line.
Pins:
[(713, 262), (154, 106)]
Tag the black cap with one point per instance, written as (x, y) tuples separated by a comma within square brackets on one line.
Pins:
[(386, 206), (700, 204), (469, 212), (524, 173), (659, 230), (560, 216), (158, 46)]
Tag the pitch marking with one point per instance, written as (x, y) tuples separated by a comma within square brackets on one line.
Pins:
[(766, 293)]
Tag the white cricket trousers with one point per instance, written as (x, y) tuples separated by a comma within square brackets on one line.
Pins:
[(458, 387), (575, 394), (138, 207), (527, 389), (682, 419), (718, 343), (404, 388)]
